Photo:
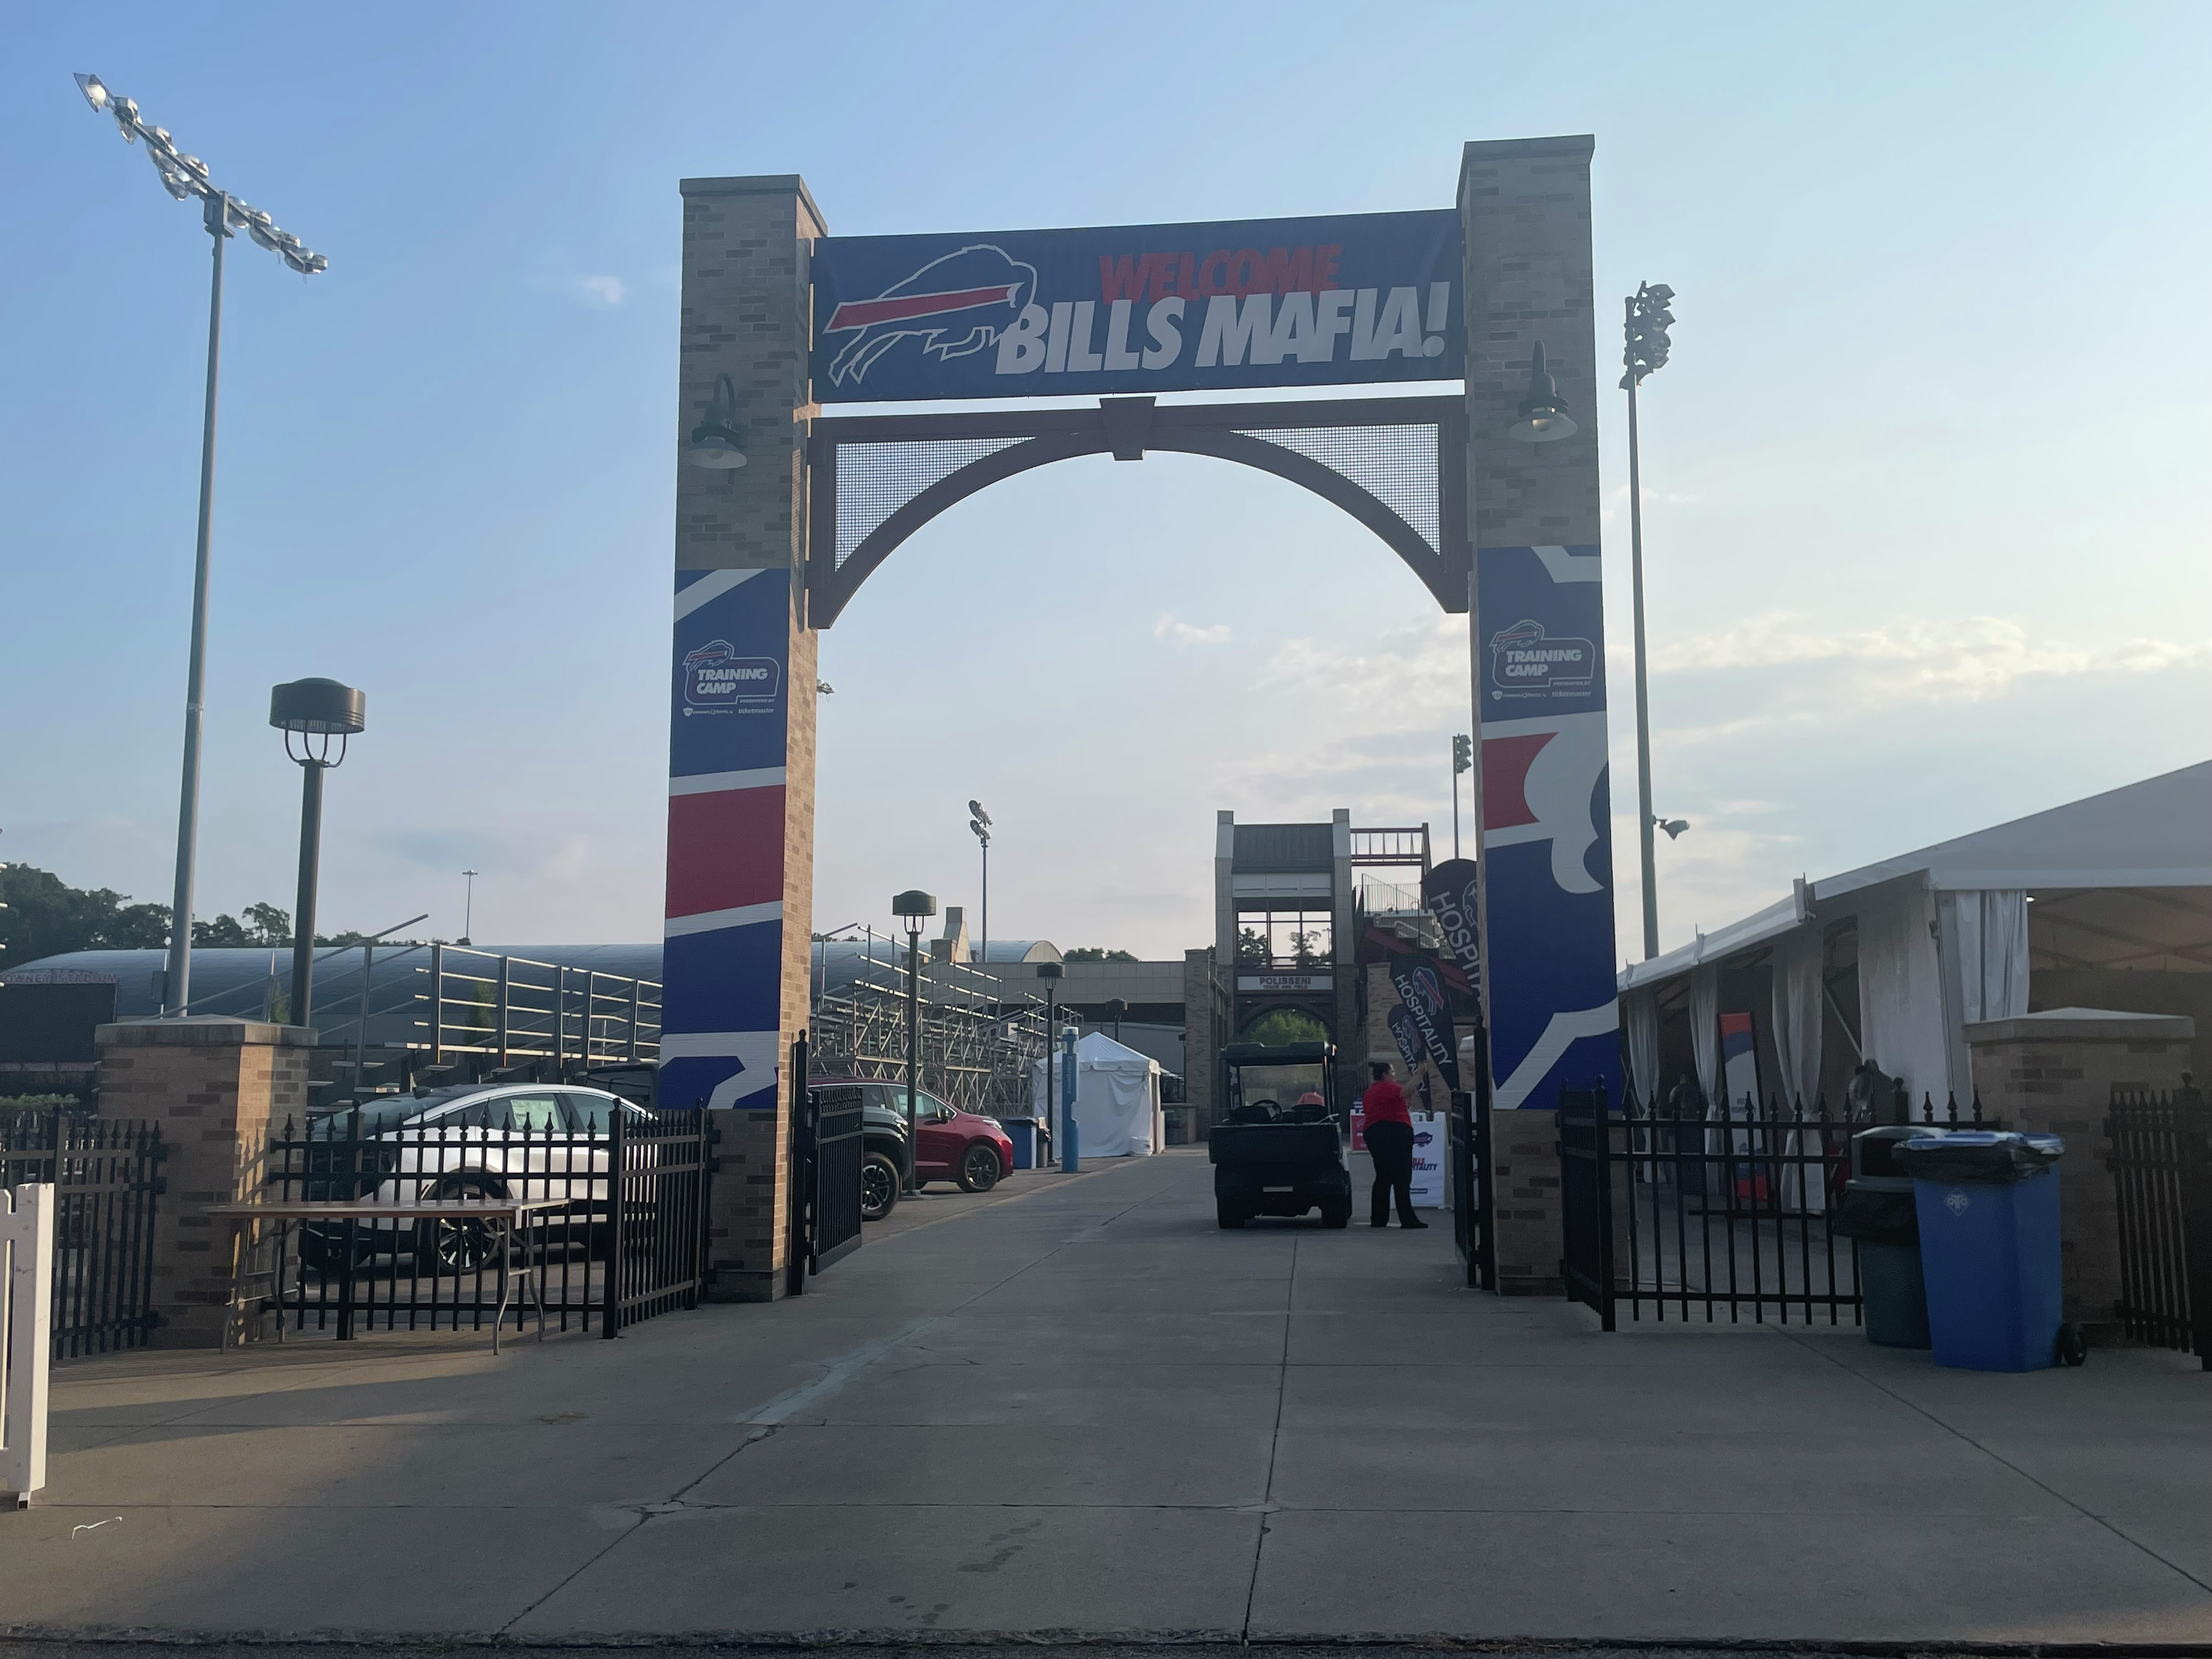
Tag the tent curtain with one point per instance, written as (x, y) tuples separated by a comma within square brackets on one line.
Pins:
[(1706, 1028), (1987, 931), (1797, 1015), (1639, 1011), (1903, 1027), (1797, 1052)]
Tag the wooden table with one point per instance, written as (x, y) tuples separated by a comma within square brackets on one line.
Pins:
[(504, 1215)]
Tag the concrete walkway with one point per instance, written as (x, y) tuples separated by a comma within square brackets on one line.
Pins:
[(1078, 1411)]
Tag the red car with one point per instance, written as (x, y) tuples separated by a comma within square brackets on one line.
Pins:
[(953, 1144)]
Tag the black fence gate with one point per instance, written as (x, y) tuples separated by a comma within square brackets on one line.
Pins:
[(828, 1147), (1712, 1211), (1473, 1231), (626, 1239), (106, 1175), (1586, 1260), (2161, 1161)]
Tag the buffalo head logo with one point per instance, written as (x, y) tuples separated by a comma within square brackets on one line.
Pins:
[(955, 306)]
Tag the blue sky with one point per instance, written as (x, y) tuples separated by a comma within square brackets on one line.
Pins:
[(1926, 513)]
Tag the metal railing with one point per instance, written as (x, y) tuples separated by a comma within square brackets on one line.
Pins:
[(2160, 1158), (106, 1175)]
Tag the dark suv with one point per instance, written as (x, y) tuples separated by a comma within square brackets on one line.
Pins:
[(954, 1146)]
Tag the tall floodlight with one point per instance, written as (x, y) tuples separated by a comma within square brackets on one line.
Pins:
[(1645, 351), (1462, 761), (311, 715), (185, 178), (979, 822), (914, 907)]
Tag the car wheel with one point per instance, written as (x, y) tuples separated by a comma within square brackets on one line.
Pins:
[(459, 1247), (879, 1187), (1337, 1213), (1229, 1216), (2073, 1345), (979, 1169)]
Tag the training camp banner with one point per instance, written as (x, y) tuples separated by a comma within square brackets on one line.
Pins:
[(1346, 299)]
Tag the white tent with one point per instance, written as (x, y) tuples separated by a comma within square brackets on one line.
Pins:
[(1949, 936), (1117, 1098)]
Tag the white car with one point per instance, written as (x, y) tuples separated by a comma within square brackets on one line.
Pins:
[(471, 1140)]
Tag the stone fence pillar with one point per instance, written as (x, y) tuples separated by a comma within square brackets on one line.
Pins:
[(1524, 1155), (215, 1086), (2054, 1073)]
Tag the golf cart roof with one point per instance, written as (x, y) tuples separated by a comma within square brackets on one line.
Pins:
[(1276, 1054)]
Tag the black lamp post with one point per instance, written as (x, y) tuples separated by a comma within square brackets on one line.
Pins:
[(310, 713), (1544, 418), (979, 822), (1050, 973), (914, 907)]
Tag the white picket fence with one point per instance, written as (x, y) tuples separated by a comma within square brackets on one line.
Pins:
[(26, 1308)]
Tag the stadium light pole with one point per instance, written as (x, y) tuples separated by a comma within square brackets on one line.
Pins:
[(1644, 351), (185, 178), (979, 822)]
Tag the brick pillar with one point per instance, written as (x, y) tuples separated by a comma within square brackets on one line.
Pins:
[(1541, 793), (215, 1086), (1202, 1036), (742, 705), (2054, 1073)]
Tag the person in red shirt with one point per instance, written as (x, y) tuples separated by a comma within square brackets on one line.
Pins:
[(1390, 1145)]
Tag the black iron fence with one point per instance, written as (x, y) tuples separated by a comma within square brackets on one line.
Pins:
[(1712, 1212), (1473, 1231), (2160, 1157), (624, 1238), (106, 1174)]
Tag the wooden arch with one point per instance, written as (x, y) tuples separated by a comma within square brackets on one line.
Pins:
[(1125, 428)]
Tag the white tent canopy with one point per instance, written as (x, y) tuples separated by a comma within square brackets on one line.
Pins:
[(1117, 1098), (2119, 879)]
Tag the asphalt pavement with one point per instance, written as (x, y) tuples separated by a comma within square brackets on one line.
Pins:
[(1075, 1411)]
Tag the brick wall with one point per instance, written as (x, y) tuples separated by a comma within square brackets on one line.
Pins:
[(2054, 1073), (1525, 1194), (215, 1086)]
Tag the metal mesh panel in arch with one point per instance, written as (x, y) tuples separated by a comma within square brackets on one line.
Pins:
[(874, 480), (1396, 464)]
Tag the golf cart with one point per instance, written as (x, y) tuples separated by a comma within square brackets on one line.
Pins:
[(1272, 1155)]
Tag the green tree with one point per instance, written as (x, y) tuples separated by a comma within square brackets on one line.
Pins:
[(1279, 1025), (1252, 950), (1095, 953), (46, 916)]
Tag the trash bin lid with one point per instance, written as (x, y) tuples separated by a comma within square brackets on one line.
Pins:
[(1873, 1152), (1979, 1155)]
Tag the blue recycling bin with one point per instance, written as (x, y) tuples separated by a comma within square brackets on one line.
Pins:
[(1988, 1207), (1023, 1132)]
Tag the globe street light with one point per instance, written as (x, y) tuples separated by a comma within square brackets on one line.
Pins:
[(914, 907), (310, 713), (185, 178), (1543, 415), (1645, 350)]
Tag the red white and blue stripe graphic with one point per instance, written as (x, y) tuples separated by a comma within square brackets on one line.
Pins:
[(722, 962), (1547, 832)]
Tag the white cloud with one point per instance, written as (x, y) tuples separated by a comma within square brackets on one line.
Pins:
[(599, 291), (1182, 633)]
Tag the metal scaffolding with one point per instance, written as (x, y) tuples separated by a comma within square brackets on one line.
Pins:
[(976, 1044)]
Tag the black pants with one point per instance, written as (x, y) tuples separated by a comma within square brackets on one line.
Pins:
[(1391, 1146)]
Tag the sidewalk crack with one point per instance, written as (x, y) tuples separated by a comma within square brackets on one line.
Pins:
[(1268, 1506)]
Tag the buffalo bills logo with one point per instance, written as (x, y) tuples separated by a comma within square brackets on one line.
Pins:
[(718, 681), (1430, 989), (1524, 660), (956, 307)]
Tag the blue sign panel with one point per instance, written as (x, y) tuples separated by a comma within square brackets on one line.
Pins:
[(1546, 834), (1133, 308)]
